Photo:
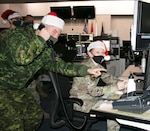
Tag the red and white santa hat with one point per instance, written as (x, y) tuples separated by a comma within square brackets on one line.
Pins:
[(99, 44), (52, 19), (9, 14)]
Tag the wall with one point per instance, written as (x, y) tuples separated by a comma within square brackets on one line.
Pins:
[(105, 10), (122, 25), (102, 7)]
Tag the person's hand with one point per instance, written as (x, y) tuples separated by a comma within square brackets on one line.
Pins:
[(96, 72), (122, 85), (44, 34)]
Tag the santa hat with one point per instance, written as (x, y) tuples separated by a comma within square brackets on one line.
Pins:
[(9, 14), (52, 19), (99, 44)]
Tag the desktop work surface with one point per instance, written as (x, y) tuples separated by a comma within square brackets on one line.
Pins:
[(105, 109)]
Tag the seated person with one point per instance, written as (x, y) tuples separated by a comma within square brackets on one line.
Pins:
[(87, 88)]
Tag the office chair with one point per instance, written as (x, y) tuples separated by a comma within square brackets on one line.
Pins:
[(61, 108)]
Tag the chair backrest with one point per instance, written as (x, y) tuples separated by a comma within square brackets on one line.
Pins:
[(54, 101), (62, 86)]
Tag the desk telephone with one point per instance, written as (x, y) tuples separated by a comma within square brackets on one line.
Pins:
[(136, 102)]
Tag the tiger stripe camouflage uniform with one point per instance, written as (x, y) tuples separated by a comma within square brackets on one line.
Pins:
[(22, 54), (86, 88)]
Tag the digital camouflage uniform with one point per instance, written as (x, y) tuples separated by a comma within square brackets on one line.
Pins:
[(86, 89), (22, 54)]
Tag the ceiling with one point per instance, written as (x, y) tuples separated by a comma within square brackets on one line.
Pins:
[(37, 1)]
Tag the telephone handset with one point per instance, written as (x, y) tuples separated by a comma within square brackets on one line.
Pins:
[(41, 26), (49, 42)]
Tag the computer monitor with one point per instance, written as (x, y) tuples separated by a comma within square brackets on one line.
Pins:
[(86, 37), (84, 12), (140, 34), (63, 12), (73, 36), (140, 30)]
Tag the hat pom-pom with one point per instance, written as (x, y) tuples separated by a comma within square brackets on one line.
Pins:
[(4, 21), (107, 58)]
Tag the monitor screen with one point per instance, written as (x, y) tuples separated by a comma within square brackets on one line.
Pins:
[(63, 12), (86, 37), (145, 18), (84, 12), (140, 30), (73, 36), (140, 35)]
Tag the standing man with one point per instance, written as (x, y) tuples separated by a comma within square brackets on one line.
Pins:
[(22, 54)]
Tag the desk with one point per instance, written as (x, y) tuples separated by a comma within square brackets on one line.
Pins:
[(127, 118), (131, 69), (104, 108)]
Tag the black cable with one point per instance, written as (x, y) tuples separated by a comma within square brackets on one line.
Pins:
[(131, 55), (61, 99)]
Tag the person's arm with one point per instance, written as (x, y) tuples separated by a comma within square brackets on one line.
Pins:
[(72, 69), (112, 80), (66, 68), (108, 78), (84, 85)]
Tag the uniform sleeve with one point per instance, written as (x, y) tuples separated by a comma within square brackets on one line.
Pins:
[(26, 45), (87, 86), (108, 78), (66, 68), (111, 92)]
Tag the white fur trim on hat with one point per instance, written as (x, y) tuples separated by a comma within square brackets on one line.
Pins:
[(14, 15), (96, 44), (53, 20), (107, 57), (4, 22)]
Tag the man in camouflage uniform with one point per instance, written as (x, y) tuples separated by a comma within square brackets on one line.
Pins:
[(22, 53), (87, 89)]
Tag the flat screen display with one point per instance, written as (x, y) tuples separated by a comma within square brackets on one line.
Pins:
[(86, 37), (140, 35), (140, 30), (145, 18), (63, 12), (84, 12)]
